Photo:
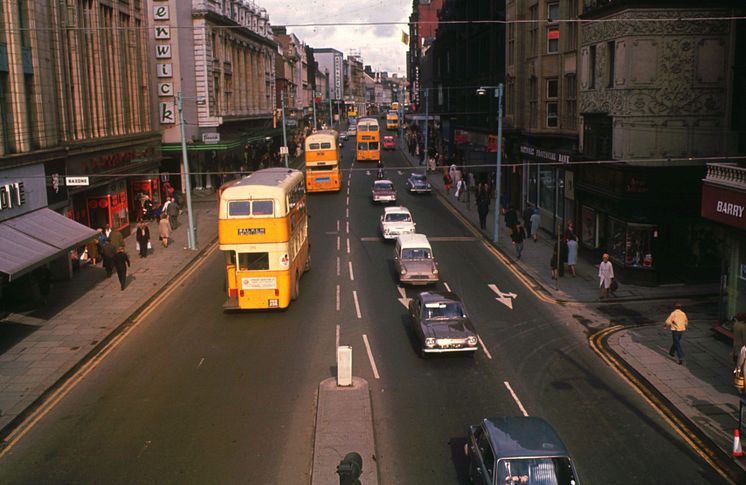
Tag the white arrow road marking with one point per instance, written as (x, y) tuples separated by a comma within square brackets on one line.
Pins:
[(403, 297), (367, 172), (504, 298), (400, 172)]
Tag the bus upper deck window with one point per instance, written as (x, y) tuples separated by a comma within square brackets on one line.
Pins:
[(363, 128), (253, 261), (374, 128), (239, 208), (262, 208)]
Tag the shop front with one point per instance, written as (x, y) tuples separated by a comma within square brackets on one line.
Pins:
[(548, 185)]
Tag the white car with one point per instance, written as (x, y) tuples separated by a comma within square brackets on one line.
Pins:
[(396, 221)]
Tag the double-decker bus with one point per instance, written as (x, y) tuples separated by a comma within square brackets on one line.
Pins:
[(395, 106), (263, 233), (392, 120), (322, 162), (368, 140)]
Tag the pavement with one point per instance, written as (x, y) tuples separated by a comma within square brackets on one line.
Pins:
[(701, 391)]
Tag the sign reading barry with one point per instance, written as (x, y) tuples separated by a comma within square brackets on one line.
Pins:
[(724, 205)]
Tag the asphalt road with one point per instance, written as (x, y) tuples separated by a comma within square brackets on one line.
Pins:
[(195, 395)]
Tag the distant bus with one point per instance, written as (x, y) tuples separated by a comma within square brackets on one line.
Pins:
[(263, 233), (392, 120), (368, 138), (395, 106), (322, 162)]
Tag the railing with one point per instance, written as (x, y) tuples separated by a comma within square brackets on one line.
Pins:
[(725, 174)]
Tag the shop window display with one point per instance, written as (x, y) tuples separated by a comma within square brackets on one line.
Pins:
[(546, 189), (588, 227), (631, 244)]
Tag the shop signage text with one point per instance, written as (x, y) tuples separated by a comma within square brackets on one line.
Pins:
[(12, 195), (211, 138), (723, 205), (164, 66), (76, 181), (544, 154), (729, 209)]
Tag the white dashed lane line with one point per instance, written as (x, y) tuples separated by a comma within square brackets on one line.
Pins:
[(370, 357), (484, 347), (448, 288), (338, 243), (337, 265), (515, 398), (348, 245), (338, 298), (357, 304), (352, 275)]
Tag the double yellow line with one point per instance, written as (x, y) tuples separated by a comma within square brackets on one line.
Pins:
[(64, 389)]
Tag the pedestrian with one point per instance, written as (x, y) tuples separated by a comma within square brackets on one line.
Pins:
[(173, 213), (527, 213), (605, 275), (677, 322), (569, 230), (116, 238), (143, 238), (108, 253), (164, 230), (553, 265), (511, 219), (535, 224), (91, 248), (447, 181), (101, 238), (147, 207), (107, 231), (519, 235), (483, 205), (572, 254), (121, 261), (459, 189)]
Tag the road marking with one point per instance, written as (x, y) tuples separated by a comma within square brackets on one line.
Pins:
[(348, 203), (357, 304), (504, 298), (337, 265), (348, 245), (448, 288), (337, 243), (370, 357), (347, 213), (403, 297), (367, 172), (400, 172), (201, 361), (515, 398), (337, 225), (484, 347), (66, 387), (338, 299), (352, 275), (337, 338), (347, 227)]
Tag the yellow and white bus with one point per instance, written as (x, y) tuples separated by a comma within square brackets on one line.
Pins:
[(392, 120), (322, 162), (263, 232), (368, 140)]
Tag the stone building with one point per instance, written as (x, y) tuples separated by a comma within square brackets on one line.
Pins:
[(219, 56)]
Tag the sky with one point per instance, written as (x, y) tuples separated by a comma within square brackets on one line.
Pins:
[(379, 45)]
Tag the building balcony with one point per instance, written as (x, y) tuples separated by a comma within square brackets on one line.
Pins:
[(726, 175)]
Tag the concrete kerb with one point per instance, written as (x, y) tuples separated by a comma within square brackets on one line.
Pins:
[(8, 428), (734, 470), (344, 423)]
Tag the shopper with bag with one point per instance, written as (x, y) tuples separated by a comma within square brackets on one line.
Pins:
[(143, 239)]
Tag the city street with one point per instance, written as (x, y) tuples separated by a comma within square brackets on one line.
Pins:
[(196, 395)]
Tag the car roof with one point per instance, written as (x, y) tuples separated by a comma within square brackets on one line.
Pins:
[(435, 296), (396, 208), (388, 137), (523, 436), (414, 241), (382, 181), (417, 174)]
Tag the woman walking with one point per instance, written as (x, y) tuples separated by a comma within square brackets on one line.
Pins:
[(605, 275), (572, 254), (164, 230)]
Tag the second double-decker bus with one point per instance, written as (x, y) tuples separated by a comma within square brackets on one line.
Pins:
[(368, 140), (392, 120), (263, 233), (322, 162), (395, 106)]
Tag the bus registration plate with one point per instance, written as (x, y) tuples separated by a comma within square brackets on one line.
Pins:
[(265, 283), (323, 179)]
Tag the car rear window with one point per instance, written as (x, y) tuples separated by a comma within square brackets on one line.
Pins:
[(444, 310), (415, 253), (544, 471), (383, 186), (398, 217)]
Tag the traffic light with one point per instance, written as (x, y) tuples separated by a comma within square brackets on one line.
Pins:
[(350, 469)]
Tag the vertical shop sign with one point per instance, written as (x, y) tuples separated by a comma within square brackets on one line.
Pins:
[(164, 70)]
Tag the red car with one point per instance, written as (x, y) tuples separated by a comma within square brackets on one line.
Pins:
[(388, 143)]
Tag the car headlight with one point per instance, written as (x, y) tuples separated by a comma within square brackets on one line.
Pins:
[(435, 270), (428, 186), (471, 341), (403, 271), (429, 343)]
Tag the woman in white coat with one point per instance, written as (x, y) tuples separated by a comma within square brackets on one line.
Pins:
[(605, 275)]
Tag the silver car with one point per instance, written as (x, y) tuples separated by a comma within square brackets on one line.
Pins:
[(414, 260)]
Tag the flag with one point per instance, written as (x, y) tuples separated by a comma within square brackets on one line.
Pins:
[(404, 38)]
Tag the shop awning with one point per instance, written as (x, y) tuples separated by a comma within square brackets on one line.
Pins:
[(30, 240)]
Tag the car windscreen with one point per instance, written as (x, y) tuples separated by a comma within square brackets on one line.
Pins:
[(444, 310), (398, 217), (383, 186), (418, 177), (538, 471), (415, 253)]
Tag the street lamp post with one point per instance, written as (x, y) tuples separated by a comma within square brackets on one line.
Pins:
[(284, 131), (499, 95), (191, 233), (427, 127), (313, 102)]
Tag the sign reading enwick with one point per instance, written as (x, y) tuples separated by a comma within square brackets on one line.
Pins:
[(77, 181)]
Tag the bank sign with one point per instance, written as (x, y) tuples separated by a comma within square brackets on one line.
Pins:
[(724, 205)]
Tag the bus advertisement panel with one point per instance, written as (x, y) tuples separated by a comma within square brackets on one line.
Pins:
[(322, 162), (368, 140), (263, 233)]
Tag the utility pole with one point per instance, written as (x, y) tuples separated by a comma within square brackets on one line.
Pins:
[(499, 96), (331, 116), (427, 128), (284, 132), (191, 233), (313, 101)]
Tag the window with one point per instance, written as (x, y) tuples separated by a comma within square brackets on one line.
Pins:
[(28, 87), (253, 261), (510, 98), (415, 253), (552, 115), (262, 208), (242, 208), (313, 146), (611, 51), (571, 28), (592, 67), (553, 12), (373, 145), (511, 44), (326, 146), (553, 37), (552, 88), (248, 208)]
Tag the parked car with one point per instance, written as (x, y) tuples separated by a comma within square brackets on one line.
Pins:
[(417, 183), (440, 324), (518, 449), (395, 221), (388, 142), (383, 191), (414, 260)]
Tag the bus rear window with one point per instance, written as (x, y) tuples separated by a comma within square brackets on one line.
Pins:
[(262, 208), (313, 146), (373, 145), (253, 261), (240, 208), (362, 145), (326, 145)]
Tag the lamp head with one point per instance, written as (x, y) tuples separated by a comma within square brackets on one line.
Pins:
[(482, 91)]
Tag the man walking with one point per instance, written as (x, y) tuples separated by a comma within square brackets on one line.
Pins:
[(677, 322), (519, 234), (108, 252), (121, 261), (173, 213), (483, 205), (143, 238)]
